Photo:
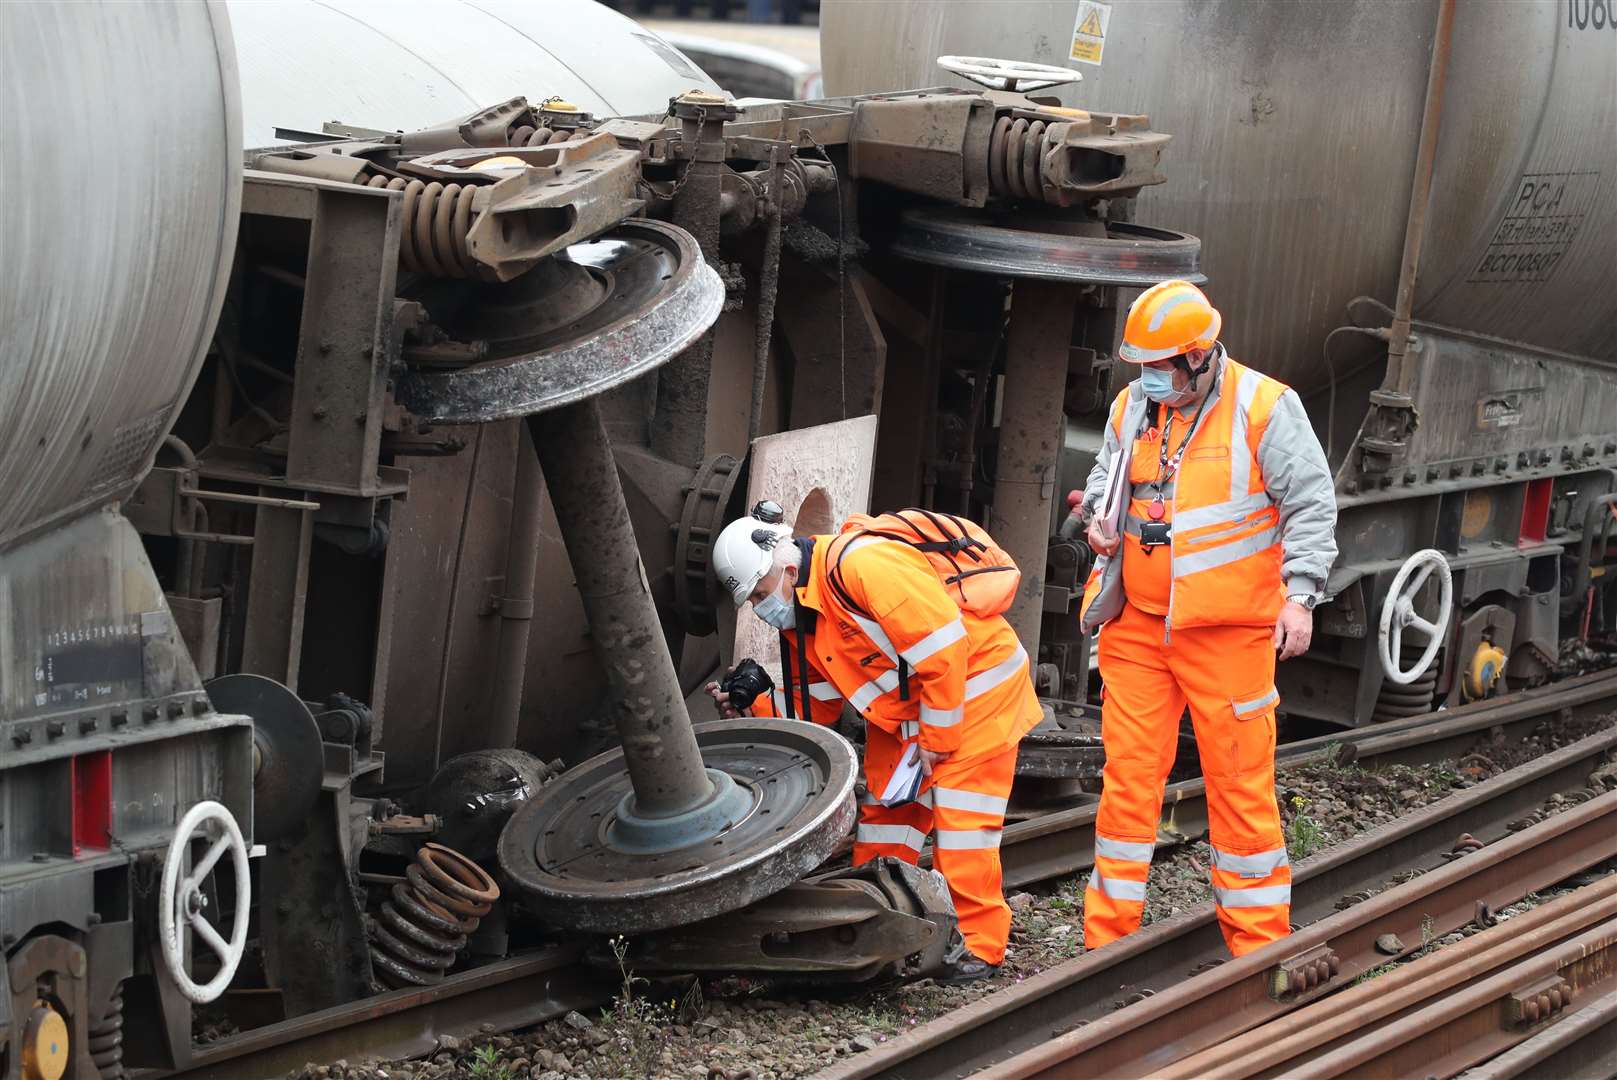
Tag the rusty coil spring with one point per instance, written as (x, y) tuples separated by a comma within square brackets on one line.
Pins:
[(1015, 149), (530, 136), (106, 1038), (425, 920), (436, 220)]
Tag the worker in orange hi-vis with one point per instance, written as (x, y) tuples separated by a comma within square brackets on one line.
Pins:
[(1212, 511), (946, 691)]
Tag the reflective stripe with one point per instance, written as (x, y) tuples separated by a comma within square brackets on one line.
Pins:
[(909, 729), (824, 691), (1249, 708), (1260, 865), (876, 634), (984, 681), (1240, 452), (1265, 896), (905, 835), (971, 801), (966, 839), (1117, 890), (941, 638), (1125, 850), (1232, 510), (884, 683), (942, 717), (1225, 553), (1140, 355)]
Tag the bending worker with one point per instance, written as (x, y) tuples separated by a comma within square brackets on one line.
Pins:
[(1214, 548), (866, 620)]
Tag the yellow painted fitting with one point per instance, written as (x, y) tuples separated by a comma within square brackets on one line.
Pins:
[(1487, 667), (44, 1044), (557, 105), (1060, 110)]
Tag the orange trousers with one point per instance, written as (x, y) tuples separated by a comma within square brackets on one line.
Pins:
[(1226, 675), (963, 807)]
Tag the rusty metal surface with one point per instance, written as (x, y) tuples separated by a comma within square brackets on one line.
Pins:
[(853, 926), (1024, 245), (1147, 964), (1582, 1045), (124, 286), (669, 298), (1288, 1041), (1195, 1013), (1063, 842), (799, 778), (513, 993), (1030, 432)]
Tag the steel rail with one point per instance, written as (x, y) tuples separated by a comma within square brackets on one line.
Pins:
[(512, 993), (1480, 1021), (1152, 965), (1283, 1044), (1584, 1044), (1063, 842)]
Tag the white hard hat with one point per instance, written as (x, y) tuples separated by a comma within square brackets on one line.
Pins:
[(743, 553)]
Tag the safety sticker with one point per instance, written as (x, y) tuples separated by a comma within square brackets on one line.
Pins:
[(1089, 32)]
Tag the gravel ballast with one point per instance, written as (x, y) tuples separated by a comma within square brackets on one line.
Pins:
[(743, 1029)]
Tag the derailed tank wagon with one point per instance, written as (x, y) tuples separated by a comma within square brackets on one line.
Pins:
[(390, 452)]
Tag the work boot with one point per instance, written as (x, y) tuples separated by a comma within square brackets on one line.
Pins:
[(966, 969)]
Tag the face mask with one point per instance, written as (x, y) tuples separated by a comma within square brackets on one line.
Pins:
[(1157, 384), (781, 614)]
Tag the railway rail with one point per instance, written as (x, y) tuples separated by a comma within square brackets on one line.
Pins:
[(534, 987), (1463, 1003)]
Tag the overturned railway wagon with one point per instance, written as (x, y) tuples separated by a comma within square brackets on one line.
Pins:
[(358, 464)]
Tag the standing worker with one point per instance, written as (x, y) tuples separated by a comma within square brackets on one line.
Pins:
[(1227, 518), (946, 692)]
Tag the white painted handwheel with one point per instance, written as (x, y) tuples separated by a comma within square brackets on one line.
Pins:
[(1008, 74), (1398, 613), (182, 902)]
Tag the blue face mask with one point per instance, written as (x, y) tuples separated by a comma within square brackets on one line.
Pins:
[(781, 614), (1157, 384)]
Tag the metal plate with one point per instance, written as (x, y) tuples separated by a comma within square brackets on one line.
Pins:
[(1033, 245), (652, 296), (800, 777), (291, 762)]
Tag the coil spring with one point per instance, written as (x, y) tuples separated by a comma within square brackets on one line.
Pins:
[(530, 136), (107, 1038), (1015, 150), (436, 220), (425, 920), (1397, 702)]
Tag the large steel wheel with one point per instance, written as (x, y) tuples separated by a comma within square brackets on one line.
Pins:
[(579, 870)]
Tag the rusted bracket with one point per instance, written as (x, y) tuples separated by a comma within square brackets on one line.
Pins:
[(1297, 975), (1537, 1003)]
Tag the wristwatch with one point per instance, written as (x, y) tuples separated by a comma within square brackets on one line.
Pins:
[(1307, 600)]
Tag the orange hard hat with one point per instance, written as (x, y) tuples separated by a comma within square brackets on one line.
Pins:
[(1169, 318)]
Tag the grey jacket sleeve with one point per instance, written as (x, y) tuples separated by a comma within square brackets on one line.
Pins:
[(1095, 486), (1298, 479)]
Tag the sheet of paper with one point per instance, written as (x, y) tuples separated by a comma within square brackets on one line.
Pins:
[(905, 783)]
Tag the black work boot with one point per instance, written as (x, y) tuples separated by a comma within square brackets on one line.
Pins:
[(966, 969)]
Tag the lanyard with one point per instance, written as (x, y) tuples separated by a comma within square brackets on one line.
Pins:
[(1167, 467)]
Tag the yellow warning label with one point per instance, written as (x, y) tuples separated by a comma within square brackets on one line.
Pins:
[(1089, 31)]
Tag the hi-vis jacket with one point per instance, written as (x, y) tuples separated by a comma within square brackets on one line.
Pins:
[(970, 688), (1254, 508)]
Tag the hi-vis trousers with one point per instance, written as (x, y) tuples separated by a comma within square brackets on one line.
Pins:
[(1226, 675), (965, 803)]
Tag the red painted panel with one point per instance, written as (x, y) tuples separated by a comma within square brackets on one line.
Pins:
[(92, 801), (1536, 512)]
